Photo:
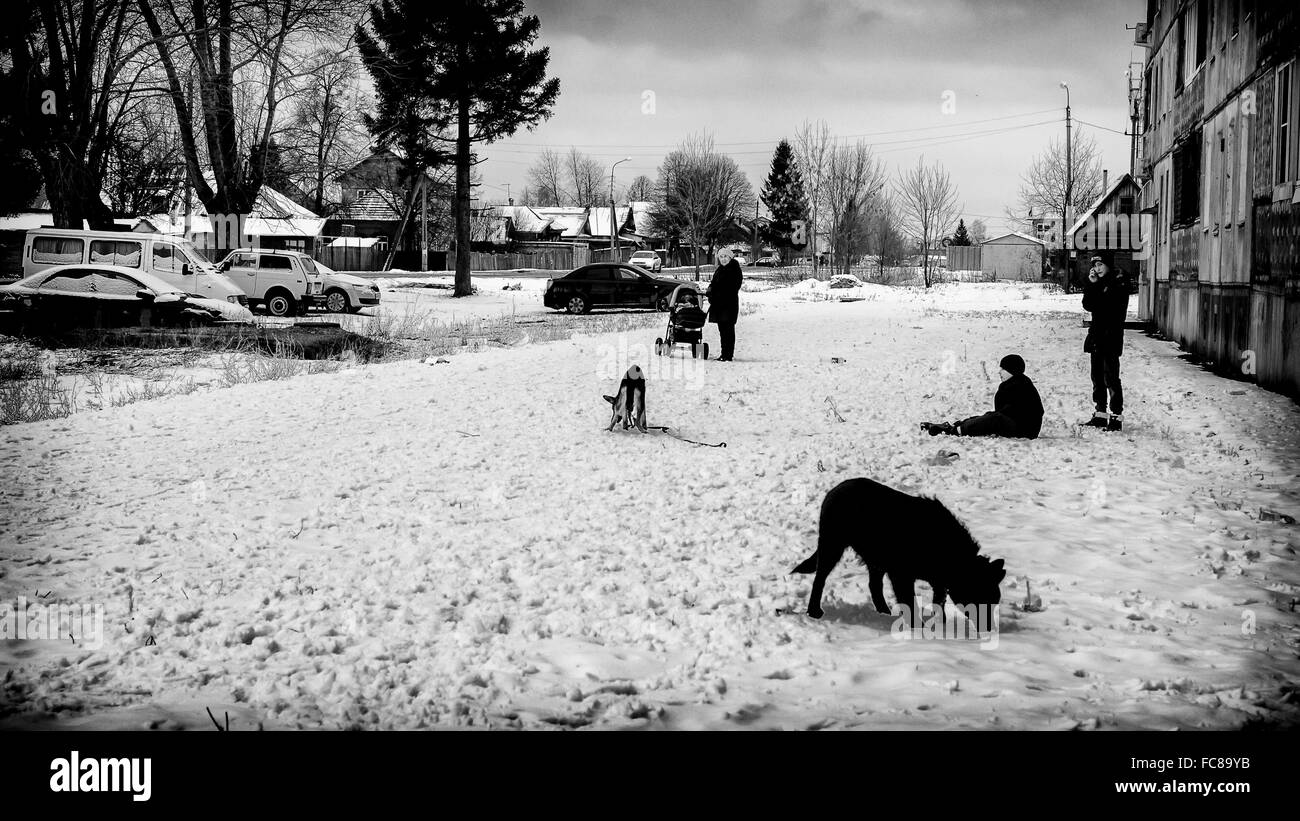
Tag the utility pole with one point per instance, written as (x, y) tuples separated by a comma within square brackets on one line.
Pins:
[(424, 225), (613, 229), (753, 248), (1069, 192)]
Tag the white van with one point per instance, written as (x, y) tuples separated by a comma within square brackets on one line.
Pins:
[(172, 259)]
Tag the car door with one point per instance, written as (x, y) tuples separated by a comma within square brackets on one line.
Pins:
[(273, 270), (601, 285), (243, 272), (630, 287)]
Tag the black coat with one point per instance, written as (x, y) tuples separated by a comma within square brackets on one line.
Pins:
[(1018, 398), (724, 294), (1107, 299)]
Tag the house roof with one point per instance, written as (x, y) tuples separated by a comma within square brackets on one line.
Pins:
[(1092, 209), (570, 221), (1013, 234), (525, 219), (372, 206), (598, 220)]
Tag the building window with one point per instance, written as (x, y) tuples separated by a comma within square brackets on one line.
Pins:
[(1202, 32), (1187, 181), (1284, 125), (1126, 205)]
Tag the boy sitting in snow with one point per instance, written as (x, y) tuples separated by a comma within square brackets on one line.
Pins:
[(1017, 409)]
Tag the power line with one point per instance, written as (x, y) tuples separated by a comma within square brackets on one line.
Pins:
[(941, 139), (778, 139), (1102, 127)]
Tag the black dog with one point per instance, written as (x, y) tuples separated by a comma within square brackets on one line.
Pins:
[(903, 537), (629, 405)]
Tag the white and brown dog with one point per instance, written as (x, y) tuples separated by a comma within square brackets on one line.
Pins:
[(629, 404)]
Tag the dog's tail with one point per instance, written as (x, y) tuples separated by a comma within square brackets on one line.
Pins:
[(808, 565)]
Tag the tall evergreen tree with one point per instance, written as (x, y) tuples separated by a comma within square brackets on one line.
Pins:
[(961, 237), (784, 196), (464, 68)]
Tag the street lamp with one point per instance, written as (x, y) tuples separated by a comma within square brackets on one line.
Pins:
[(613, 231), (1069, 186)]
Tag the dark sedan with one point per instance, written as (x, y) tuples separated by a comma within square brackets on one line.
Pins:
[(607, 285)]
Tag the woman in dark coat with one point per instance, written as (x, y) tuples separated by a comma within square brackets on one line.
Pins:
[(724, 301)]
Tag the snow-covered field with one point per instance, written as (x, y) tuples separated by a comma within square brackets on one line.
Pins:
[(462, 544)]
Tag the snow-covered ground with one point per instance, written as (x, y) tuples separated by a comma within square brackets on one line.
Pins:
[(417, 545)]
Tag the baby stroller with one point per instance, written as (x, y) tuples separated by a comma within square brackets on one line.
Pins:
[(685, 323)]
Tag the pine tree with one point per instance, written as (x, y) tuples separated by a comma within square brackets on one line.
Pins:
[(784, 196), (460, 72), (961, 237)]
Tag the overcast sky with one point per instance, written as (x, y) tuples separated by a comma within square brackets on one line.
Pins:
[(751, 71)]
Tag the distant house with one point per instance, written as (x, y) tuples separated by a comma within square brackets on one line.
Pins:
[(1108, 228), (526, 225), (1013, 256), (374, 195)]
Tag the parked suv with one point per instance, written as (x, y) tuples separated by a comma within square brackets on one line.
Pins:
[(286, 283)]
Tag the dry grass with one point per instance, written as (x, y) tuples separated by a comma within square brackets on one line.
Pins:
[(35, 400)]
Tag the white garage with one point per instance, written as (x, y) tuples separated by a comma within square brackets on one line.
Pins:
[(1013, 256)]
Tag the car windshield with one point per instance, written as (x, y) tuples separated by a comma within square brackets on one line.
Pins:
[(198, 263)]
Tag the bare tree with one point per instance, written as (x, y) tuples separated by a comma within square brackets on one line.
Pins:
[(704, 192), (978, 231), (73, 73), (326, 135), (641, 189), (586, 179), (852, 183), (1043, 185), (812, 149), (546, 177), (885, 237), (230, 64), (928, 203)]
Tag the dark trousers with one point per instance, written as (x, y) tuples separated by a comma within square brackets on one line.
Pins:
[(1105, 377), (988, 424), (727, 330)]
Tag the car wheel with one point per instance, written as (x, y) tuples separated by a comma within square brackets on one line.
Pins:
[(337, 302), (659, 346), (706, 351), (695, 351), (280, 303), (577, 304)]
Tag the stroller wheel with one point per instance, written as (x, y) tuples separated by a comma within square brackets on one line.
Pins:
[(695, 351), (659, 346), (706, 350)]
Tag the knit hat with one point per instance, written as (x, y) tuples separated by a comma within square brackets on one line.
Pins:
[(1012, 364)]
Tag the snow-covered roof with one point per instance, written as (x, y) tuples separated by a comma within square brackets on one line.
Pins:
[(525, 219), (598, 220), (1016, 234), (27, 221), (173, 224), (570, 221)]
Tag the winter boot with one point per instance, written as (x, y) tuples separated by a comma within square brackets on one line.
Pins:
[(1100, 419), (936, 428), (1116, 423)]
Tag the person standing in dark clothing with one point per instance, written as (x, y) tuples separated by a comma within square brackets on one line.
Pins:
[(724, 301), (1106, 296), (1017, 409)]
